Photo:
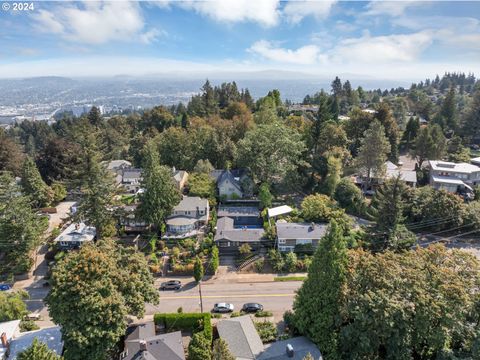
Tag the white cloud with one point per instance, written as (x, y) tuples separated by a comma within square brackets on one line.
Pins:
[(264, 12), (304, 55), (391, 8), (96, 22), (384, 49), (295, 11)]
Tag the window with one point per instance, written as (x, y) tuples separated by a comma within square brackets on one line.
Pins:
[(281, 241), (303, 241)]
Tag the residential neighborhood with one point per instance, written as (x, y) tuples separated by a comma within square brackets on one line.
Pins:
[(240, 180)]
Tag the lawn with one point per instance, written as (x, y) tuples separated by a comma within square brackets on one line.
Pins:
[(289, 278)]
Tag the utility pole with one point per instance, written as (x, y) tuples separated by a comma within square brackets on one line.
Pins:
[(200, 294)]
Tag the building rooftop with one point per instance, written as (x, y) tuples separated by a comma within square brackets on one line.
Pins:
[(11, 329), (118, 164), (142, 343), (233, 211), (301, 230), (464, 168), (301, 347), (191, 203), (241, 336), (226, 231), (447, 180), (78, 232), (50, 336), (279, 210), (181, 220)]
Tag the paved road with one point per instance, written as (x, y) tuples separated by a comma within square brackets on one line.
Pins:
[(275, 296)]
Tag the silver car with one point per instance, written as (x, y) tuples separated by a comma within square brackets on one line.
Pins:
[(223, 308)]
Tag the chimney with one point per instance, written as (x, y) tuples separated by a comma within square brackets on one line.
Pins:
[(290, 352), (4, 340), (143, 345)]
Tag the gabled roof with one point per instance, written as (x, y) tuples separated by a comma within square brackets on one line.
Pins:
[(158, 347), (132, 173), (226, 231), (301, 231), (228, 176), (241, 336), (117, 164)]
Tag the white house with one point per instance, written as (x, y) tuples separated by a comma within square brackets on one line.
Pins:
[(75, 235), (188, 216), (453, 177)]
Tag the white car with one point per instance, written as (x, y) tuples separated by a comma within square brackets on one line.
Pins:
[(223, 308)]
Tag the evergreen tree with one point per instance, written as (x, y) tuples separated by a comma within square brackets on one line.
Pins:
[(199, 347), (387, 210), (38, 351), (184, 120), (449, 109), (265, 196), (94, 116), (411, 130), (471, 123), (334, 173), (97, 186), (20, 227), (215, 259), (221, 350), (337, 87), (384, 115), (319, 300), (160, 194), (198, 270), (323, 115), (373, 152), (34, 186), (439, 143)]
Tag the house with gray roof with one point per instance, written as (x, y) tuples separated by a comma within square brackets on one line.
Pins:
[(245, 344), (232, 183), (229, 237), (188, 217), (291, 349), (131, 179), (75, 235), (291, 236), (141, 342), (52, 337), (242, 215), (241, 336), (453, 177)]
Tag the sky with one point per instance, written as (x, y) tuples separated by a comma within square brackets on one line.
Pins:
[(407, 40)]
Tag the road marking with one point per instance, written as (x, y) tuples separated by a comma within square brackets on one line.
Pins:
[(223, 296)]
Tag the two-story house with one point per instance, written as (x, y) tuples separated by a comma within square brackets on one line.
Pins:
[(291, 235), (453, 177), (233, 184), (187, 217)]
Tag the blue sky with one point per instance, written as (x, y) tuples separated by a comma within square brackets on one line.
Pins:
[(406, 40)]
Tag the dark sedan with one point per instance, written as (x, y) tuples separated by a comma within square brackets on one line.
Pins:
[(171, 285), (252, 307)]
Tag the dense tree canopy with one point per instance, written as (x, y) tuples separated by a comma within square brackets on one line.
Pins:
[(92, 291)]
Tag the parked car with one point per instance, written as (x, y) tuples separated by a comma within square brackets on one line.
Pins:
[(5, 287), (33, 317), (252, 307), (223, 308), (171, 285)]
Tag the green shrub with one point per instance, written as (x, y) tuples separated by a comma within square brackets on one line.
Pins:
[(263, 313), (28, 325), (267, 331), (235, 314), (194, 322)]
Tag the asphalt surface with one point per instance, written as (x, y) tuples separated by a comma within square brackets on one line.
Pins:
[(274, 296)]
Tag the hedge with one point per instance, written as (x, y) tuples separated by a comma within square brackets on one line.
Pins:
[(194, 322)]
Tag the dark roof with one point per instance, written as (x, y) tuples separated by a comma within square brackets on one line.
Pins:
[(301, 347), (241, 336), (235, 211), (237, 173), (227, 175), (158, 347)]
